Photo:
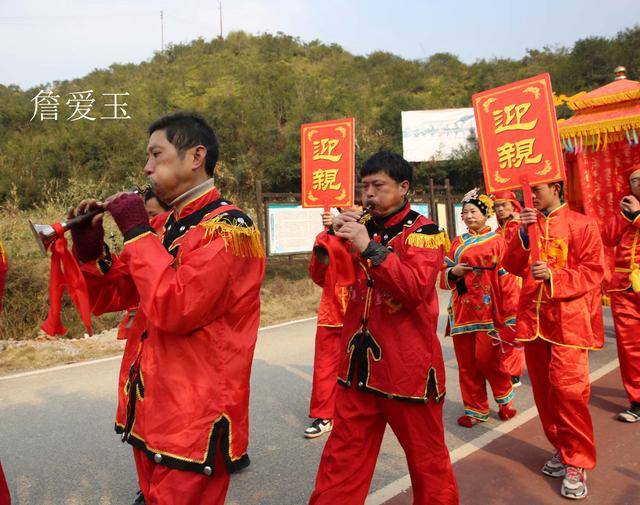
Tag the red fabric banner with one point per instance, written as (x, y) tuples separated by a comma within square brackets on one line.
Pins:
[(65, 273)]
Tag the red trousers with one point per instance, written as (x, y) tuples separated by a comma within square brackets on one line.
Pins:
[(479, 362), (560, 381), (325, 372), (165, 486), (513, 360), (5, 497), (351, 452), (625, 307)]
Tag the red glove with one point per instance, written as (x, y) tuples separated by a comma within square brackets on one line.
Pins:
[(127, 210), (88, 241)]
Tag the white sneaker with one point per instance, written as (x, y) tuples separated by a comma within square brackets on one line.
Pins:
[(318, 427), (554, 467), (574, 485), (632, 415)]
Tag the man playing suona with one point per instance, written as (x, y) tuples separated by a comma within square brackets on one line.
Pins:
[(623, 233), (560, 319), (195, 274), (478, 312), (391, 367)]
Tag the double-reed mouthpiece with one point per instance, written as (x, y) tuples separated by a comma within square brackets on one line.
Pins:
[(366, 214)]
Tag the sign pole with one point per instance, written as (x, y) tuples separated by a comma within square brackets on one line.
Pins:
[(532, 229), (327, 209)]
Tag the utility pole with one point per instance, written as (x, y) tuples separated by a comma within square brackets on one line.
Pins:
[(220, 9), (162, 31)]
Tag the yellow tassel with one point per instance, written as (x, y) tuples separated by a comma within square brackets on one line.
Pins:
[(603, 100), (429, 241), (614, 129), (244, 241)]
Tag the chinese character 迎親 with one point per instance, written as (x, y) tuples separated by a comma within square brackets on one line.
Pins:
[(510, 118), (512, 155), (323, 150), (324, 179)]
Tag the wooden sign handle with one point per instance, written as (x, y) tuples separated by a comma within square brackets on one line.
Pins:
[(532, 229), (327, 208)]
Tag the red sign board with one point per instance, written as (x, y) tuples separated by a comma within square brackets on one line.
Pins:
[(518, 134), (328, 163)]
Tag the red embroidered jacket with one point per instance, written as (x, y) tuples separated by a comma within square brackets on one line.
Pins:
[(184, 383), (566, 309), (478, 303), (389, 341)]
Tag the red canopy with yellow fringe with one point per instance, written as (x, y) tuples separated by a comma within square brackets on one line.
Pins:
[(601, 141)]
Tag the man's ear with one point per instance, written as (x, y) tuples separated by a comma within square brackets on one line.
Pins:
[(404, 188), (199, 157)]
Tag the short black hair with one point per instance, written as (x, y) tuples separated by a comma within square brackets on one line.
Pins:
[(394, 165), (186, 130), (561, 184)]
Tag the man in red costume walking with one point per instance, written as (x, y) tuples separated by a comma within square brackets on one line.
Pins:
[(195, 274), (331, 309), (507, 208), (560, 320), (623, 233), (391, 368)]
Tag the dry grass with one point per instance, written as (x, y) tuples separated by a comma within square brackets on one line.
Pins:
[(32, 354), (288, 292)]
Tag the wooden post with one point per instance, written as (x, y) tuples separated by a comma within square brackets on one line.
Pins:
[(432, 203), (260, 217), (327, 208), (451, 215)]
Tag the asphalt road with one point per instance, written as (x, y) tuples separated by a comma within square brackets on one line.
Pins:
[(57, 444)]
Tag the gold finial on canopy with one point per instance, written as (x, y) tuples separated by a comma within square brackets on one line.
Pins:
[(620, 73)]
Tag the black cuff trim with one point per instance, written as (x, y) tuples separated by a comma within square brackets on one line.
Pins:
[(137, 231), (220, 432), (438, 398), (376, 253), (631, 216)]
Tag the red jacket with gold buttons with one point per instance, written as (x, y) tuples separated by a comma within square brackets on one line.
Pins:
[(567, 308)]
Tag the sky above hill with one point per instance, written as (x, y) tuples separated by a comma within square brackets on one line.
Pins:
[(42, 41)]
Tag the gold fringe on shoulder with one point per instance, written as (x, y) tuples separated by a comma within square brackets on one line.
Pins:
[(244, 241), (429, 241)]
